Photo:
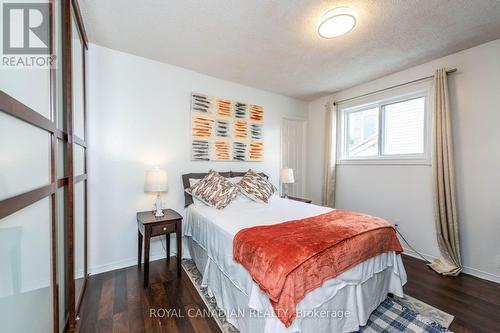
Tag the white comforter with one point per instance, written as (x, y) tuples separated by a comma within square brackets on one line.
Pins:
[(213, 230)]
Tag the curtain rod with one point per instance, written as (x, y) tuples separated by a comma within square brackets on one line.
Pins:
[(392, 87)]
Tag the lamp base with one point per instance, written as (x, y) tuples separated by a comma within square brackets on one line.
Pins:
[(158, 212)]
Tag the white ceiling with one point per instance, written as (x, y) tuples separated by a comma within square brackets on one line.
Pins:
[(273, 44)]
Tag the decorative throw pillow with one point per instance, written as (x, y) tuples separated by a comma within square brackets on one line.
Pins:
[(196, 201), (256, 187), (240, 197), (214, 190)]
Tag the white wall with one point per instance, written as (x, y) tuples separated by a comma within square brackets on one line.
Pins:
[(404, 192), (139, 117)]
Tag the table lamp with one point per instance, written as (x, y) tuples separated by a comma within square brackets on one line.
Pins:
[(286, 177), (156, 181)]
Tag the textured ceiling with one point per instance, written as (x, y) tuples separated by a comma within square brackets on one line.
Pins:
[(273, 44)]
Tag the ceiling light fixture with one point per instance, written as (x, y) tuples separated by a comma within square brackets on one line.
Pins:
[(337, 22)]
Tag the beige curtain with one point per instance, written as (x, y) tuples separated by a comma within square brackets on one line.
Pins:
[(330, 155), (443, 178)]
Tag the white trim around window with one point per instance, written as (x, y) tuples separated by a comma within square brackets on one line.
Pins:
[(380, 102)]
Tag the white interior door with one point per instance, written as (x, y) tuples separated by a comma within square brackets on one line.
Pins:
[(293, 144)]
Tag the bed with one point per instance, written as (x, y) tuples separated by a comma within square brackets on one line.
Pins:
[(341, 304)]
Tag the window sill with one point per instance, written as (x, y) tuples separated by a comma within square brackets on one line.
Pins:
[(379, 161)]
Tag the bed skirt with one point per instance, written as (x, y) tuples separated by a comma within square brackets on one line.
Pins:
[(342, 304)]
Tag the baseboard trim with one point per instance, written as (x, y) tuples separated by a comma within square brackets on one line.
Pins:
[(160, 255), (124, 263), (467, 270), (482, 274)]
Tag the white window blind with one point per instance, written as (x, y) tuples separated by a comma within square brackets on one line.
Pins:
[(404, 127)]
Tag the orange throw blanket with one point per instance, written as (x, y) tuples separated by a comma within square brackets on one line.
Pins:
[(289, 259)]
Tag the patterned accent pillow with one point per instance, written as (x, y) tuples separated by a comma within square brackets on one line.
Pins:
[(214, 190), (256, 187)]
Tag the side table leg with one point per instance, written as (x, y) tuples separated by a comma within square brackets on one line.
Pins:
[(179, 252), (168, 246), (139, 248), (147, 239)]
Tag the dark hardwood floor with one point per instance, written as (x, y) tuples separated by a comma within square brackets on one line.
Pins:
[(116, 301), (474, 302)]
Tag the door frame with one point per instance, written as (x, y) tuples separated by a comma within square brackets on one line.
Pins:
[(304, 149)]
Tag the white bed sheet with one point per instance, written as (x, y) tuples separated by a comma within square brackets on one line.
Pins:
[(358, 290)]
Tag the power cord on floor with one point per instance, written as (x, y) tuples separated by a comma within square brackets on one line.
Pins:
[(396, 227)]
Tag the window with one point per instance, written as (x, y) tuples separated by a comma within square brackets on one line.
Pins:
[(390, 130), (362, 136)]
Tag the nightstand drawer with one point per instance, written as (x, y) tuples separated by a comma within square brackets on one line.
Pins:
[(162, 229)]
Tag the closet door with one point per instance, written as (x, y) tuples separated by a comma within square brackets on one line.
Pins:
[(27, 223), (43, 180), (77, 150), (29, 298), (61, 170)]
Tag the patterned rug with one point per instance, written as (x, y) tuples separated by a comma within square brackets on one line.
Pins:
[(407, 314)]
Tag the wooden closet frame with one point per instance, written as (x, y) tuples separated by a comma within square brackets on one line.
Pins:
[(16, 109), (71, 7)]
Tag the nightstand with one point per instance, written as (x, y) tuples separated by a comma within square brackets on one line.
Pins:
[(299, 199), (150, 226)]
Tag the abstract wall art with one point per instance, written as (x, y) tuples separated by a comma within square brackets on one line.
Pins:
[(224, 130)]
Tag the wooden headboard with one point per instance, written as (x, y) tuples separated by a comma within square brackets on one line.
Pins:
[(188, 199)]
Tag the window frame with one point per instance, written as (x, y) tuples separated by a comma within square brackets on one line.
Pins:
[(381, 158)]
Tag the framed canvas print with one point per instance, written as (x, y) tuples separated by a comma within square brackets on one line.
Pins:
[(225, 130)]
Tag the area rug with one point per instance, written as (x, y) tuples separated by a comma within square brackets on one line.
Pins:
[(406, 314)]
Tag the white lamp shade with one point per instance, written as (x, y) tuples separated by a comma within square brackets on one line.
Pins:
[(286, 176), (156, 181)]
